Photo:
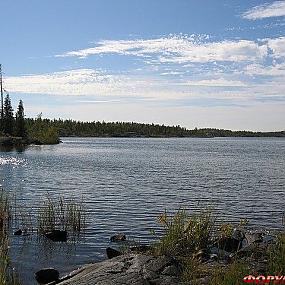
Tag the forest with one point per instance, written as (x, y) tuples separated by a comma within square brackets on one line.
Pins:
[(47, 131), (71, 128)]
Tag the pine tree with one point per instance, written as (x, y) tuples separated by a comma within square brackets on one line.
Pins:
[(8, 118), (20, 128)]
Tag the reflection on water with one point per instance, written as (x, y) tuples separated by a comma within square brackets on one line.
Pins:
[(126, 183)]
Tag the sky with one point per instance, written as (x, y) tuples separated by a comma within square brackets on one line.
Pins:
[(218, 64)]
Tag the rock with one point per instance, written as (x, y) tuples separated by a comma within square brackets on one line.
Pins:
[(229, 244), (203, 281), (201, 255), (118, 237), (171, 270), (129, 269), (214, 256), (47, 275), (18, 232), (238, 234), (57, 235), (253, 237), (111, 253)]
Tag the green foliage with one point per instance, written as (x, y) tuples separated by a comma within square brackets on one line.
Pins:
[(184, 234), (68, 128), (8, 117), (42, 132)]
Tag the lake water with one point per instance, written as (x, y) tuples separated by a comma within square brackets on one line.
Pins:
[(126, 183)]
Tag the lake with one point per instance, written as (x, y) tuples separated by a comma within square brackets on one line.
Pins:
[(127, 182)]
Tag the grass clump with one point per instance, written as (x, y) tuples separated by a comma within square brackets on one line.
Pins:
[(5, 210), (61, 214), (232, 274), (276, 256), (184, 234), (7, 274)]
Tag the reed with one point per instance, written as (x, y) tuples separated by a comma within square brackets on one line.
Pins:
[(61, 213), (7, 274), (184, 234)]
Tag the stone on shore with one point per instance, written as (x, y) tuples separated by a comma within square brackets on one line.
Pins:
[(118, 237), (129, 269), (47, 275)]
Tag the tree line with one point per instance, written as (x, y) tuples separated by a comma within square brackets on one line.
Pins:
[(72, 128), (10, 124), (48, 131)]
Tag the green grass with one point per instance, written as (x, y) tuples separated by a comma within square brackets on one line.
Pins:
[(7, 274), (61, 213), (276, 256), (232, 274), (184, 234)]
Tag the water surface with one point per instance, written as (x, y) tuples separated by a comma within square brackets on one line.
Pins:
[(126, 183)]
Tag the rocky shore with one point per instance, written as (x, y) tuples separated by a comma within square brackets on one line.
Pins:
[(138, 265)]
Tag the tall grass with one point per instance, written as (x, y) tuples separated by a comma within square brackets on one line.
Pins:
[(184, 234), (61, 213), (276, 256), (7, 274)]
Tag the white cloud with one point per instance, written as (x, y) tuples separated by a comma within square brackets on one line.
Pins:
[(89, 82), (277, 46), (277, 70), (219, 82), (275, 9), (73, 82), (179, 49)]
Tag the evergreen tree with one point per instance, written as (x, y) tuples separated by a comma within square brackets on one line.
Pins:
[(20, 128), (8, 118)]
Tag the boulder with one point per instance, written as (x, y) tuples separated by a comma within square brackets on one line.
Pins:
[(253, 238), (228, 244), (57, 235), (118, 237), (18, 232), (47, 275), (129, 269)]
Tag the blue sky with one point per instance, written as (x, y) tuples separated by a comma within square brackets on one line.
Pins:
[(194, 63)]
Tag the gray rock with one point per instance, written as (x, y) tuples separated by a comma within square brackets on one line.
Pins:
[(171, 270), (253, 238), (118, 237), (18, 232), (129, 269), (238, 234)]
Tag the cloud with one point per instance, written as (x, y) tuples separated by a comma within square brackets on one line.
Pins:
[(73, 82), (89, 82), (220, 82), (276, 71), (277, 46), (275, 9), (178, 49)]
